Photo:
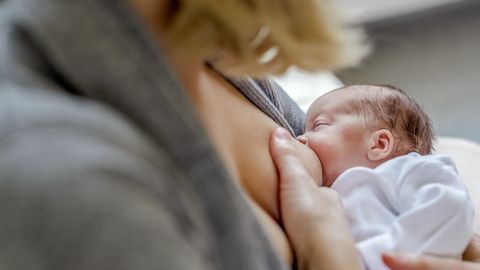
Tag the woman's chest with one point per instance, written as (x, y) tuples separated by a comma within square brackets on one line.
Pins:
[(240, 133)]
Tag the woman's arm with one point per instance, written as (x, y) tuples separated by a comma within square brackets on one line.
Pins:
[(424, 262), (80, 188), (312, 216)]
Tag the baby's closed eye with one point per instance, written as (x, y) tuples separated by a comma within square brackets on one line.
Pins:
[(319, 124)]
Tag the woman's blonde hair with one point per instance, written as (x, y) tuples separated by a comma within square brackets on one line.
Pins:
[(260, 37)]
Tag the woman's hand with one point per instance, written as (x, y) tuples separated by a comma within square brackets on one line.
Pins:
[(312, 216), (425, 262), (472, 253)]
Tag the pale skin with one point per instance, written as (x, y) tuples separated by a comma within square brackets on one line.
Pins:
[(344, 140), (240, 131)]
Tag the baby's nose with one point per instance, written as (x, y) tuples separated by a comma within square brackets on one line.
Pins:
[(302, 139)]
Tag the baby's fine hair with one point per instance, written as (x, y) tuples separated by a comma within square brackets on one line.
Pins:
[(390, 107)]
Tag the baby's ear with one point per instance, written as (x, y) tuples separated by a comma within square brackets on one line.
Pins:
[(381, 145)]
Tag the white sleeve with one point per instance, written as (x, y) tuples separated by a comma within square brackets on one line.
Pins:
[(435, 215)]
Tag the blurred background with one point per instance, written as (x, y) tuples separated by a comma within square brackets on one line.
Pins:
[(429, 48)]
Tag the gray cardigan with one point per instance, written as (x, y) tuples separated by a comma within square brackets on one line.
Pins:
[(103, 162)]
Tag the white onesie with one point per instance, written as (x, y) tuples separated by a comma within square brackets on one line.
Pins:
[(412, 203)]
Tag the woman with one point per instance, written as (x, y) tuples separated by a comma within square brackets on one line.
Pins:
[(122, 148), (127, 148)]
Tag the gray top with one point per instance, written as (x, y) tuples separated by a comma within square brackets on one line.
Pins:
[(103, 162)]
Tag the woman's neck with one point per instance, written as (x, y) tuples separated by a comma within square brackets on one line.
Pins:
[(186, 67)]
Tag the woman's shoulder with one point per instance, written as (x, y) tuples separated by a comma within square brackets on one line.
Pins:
[(43, 130)]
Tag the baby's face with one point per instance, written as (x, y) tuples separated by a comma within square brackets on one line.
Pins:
[(338, 139)]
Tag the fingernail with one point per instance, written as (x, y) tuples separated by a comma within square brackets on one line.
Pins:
[(302, 139), (282, 134)]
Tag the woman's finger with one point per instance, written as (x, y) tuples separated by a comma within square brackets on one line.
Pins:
[(312, 216), (294, 159), (425, 262), (296, 187), (285, 156)]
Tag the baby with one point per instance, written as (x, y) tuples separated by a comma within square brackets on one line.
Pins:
[(375, 143)]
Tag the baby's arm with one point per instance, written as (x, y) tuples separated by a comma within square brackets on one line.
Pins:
[(435, 214)]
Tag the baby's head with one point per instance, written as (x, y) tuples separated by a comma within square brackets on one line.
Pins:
[(365, 125)]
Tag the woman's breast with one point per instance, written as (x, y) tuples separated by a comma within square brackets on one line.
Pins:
[(245, 150), (240, 132), (255, 168)]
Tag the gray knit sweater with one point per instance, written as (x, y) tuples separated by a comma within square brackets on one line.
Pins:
[(103, 162)]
